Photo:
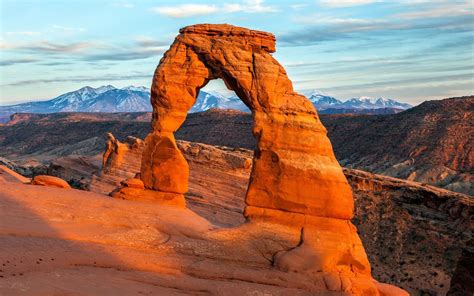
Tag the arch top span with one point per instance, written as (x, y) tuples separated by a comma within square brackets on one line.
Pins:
[(257, 39)]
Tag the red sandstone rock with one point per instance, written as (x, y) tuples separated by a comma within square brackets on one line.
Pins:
[(295, 181), (163, 166), (45, 180), (283, 162)]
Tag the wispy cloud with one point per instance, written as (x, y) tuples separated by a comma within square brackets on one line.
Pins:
[(146, 41), (123, 4), (50, 47), (125, 55), (68, 30), (326, 29), (249, 6), (142, 48), (189, 10), (186, 10), (11, 62), (298, 6), (105, 78), (398, 83), (440, 9), (22, 33), (342, 24)]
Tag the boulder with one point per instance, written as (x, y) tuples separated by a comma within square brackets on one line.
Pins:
[(45, 180), (133, 183)]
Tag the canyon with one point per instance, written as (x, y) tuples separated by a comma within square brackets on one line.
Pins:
[(156, 215)]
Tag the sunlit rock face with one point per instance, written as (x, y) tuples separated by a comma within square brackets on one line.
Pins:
[(295, 179), (293, 148)]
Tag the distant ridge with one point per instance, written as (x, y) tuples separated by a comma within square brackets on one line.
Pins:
[(108, 98)]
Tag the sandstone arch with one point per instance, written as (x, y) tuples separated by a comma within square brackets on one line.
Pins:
[(294, 166), (295, 180)]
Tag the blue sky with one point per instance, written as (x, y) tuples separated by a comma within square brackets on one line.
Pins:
[(407, 50)]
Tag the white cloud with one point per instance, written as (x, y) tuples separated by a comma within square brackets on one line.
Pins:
[(189, 10), (50, 47), (298, 6), (345, 3), (327, 20), (68, 30), (185, 10)]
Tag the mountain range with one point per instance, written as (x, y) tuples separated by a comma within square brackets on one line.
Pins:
[(322, 102), (136, 99)]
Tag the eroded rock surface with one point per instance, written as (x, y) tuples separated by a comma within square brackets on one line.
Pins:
[(217, 183), (72, 242)]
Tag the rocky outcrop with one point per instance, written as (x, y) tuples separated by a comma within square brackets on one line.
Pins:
[(120, 161), (417, 235), (45, 180), (430, 143), (217, 182)]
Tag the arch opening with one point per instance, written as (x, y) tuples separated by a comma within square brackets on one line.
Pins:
[(218, 176), (216, 95)]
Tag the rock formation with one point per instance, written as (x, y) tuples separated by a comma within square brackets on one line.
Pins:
[(295, 181), (242, 58)]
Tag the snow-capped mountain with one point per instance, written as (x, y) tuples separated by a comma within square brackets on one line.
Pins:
[(213, 99), (321, 100), (374, 103), (108, 98)]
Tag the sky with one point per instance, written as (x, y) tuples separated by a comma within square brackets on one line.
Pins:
[(409, 50)]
